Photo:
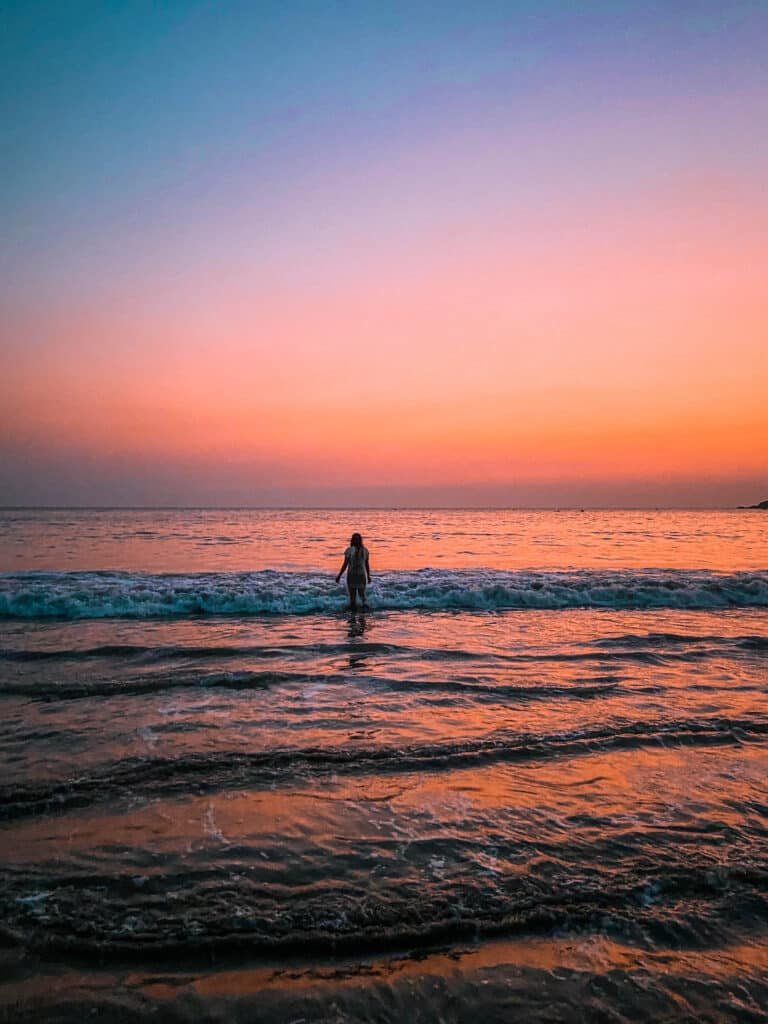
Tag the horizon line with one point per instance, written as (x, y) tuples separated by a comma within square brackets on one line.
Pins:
[(379, 508)]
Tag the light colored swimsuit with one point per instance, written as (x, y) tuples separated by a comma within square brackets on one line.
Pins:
[(356, 569)]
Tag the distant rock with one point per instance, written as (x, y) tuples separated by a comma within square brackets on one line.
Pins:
[(760, 504)]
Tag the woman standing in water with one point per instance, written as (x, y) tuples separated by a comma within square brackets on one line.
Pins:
[(358, 571)]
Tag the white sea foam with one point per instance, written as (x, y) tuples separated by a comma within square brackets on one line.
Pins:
[(211, 826), (91, 595)]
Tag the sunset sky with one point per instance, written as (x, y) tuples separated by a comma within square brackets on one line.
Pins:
[(384, 253)]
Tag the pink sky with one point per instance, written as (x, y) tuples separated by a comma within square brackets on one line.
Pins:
[(508, 298)]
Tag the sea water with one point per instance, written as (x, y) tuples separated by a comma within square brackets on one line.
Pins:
[(528, 784)]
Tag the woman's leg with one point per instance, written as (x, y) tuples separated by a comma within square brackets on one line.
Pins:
[(352, 596)]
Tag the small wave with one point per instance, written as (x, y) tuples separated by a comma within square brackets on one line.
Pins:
[(78, 653), (171, 652), (141, 654), (87, 687), (664, 641), (753, 643), (93, 595), (649, 906), (209, 772), (247, 680)]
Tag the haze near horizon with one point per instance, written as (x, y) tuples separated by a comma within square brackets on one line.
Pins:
[(368, 254)]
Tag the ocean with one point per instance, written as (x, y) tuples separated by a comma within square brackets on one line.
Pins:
[(528, 784)]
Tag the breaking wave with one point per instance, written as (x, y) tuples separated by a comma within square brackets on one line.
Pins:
[(95, 595)]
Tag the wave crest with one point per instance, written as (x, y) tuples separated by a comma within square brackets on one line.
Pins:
[(94, 595)]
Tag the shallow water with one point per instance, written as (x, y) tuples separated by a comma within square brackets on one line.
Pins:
[(545, 800)]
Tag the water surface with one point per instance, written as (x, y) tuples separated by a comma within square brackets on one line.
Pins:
[(530, 782)]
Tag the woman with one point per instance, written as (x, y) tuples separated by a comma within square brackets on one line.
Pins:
[(358, 570)]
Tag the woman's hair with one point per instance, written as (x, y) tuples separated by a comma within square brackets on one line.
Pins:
[(356, 541)]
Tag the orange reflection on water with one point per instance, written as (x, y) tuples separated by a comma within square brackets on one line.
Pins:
[(636, 792), (163, 540)]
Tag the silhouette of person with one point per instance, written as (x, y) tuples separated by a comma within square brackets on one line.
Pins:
[(357, 564)]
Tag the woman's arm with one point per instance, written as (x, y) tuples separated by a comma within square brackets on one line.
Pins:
[(341, 570), (368, 567)]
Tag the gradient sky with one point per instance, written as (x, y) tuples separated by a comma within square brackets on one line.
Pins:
[(384, 253)]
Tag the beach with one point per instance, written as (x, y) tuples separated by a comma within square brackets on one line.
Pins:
[(528, 784)]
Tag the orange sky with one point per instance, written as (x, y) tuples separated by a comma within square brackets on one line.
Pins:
[(573, 350), (507, 294)]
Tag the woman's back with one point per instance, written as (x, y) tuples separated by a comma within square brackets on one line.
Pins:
[(358, 570), (357, 556)]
